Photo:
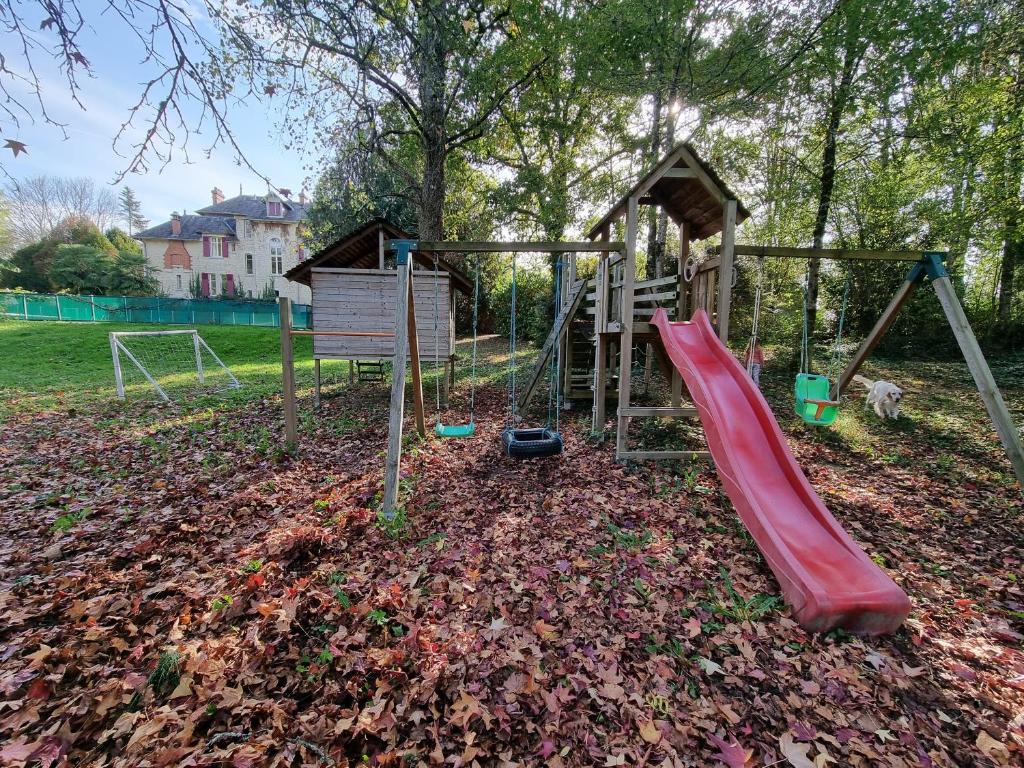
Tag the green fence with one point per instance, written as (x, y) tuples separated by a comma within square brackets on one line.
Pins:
[(148, 309)]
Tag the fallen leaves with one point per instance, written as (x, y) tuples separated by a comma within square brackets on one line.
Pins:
[(584, 624), (730, 752), (796, 754), (993, 749)]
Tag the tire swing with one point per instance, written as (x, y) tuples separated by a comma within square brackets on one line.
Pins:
[(536, 442), (440, 428)]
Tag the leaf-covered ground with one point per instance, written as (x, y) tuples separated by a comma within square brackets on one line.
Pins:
[(177, 590)]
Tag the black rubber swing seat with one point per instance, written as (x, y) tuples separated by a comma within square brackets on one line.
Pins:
[(531, 443)]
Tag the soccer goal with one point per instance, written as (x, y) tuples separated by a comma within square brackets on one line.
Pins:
[(174, 363)]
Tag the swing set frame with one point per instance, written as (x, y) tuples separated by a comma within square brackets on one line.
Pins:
[(930, 266)]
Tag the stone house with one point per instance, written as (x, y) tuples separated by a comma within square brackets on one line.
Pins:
[(240, 247)]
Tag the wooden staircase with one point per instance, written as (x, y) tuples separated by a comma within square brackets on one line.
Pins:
[(579, 293)]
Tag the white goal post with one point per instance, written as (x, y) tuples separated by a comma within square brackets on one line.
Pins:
[(169, 357)]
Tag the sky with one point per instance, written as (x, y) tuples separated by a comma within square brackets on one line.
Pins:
[(115, 57)]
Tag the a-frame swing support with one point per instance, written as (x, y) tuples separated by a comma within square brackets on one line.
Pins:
[(932, 267)]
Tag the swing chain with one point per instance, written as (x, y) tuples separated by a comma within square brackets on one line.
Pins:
[(476, 305), (512, 352), (837, 349), (755, 325), (437, 345)]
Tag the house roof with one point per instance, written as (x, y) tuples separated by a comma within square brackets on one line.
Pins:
[(193, 227), (696, 198), (255, 207), (359, 249)]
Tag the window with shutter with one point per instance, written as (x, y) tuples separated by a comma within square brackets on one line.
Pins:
[(206, 246)]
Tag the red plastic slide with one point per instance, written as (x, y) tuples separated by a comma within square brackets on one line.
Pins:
[(825, 576)]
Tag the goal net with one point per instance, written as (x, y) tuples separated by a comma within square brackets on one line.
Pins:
[(175, 364)]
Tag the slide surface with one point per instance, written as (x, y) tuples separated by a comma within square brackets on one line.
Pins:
[(826, 577)]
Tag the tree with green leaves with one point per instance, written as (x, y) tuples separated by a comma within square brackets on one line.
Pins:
[(412, 83), (131, 211), (129, 274), (558, 136), (121, 240), (80, 269), (356, 187)]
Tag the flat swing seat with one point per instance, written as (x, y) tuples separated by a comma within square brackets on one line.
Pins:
[(531, 443), (813, 403), (454, 430)]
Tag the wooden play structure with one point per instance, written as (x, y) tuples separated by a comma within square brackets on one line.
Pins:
[(601, 321)]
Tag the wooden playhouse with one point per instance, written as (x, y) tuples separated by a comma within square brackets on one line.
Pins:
[(354, 290)]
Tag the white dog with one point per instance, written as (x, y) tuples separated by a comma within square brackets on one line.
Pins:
[(883, 396)]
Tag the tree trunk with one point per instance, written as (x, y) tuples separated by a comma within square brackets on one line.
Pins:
[(1013, 233), (667, 145), (839, 98), (1013, 255), (433, 134), (652, 214)]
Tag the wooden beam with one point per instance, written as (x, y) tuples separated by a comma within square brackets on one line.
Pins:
[(291, 432), (679, 173), (394, 458), (710, 264), (342, 333), (882, 325), (380, 247), (414, 363), (986, 383), (702, 176), (725, 271), (316, 382), (675, 413), (663, 455), (480, 246), (841, 254), (626, 342)]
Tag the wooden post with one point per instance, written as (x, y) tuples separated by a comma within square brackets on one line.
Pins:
[(291, 432), (380, 247), (316, 382), (600, 382), (414, 363), (884, 323), (351, 372), (393, 465), (983, 378), (725, 269), (682, 303), (562, 349), (711, 293), (626, 337)]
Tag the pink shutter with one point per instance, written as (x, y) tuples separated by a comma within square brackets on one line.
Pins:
[(206, 283), (224, 247), (206, 246), (229, 284)]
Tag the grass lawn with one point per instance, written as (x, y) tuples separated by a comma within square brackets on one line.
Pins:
[(176, 589)]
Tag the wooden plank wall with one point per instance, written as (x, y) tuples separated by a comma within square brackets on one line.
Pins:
[(365, 300)]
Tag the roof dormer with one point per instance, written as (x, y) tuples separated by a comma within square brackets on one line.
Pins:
[(275, 206)]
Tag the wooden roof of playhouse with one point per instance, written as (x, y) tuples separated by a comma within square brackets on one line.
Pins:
[(360, 249), (687, 188)]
